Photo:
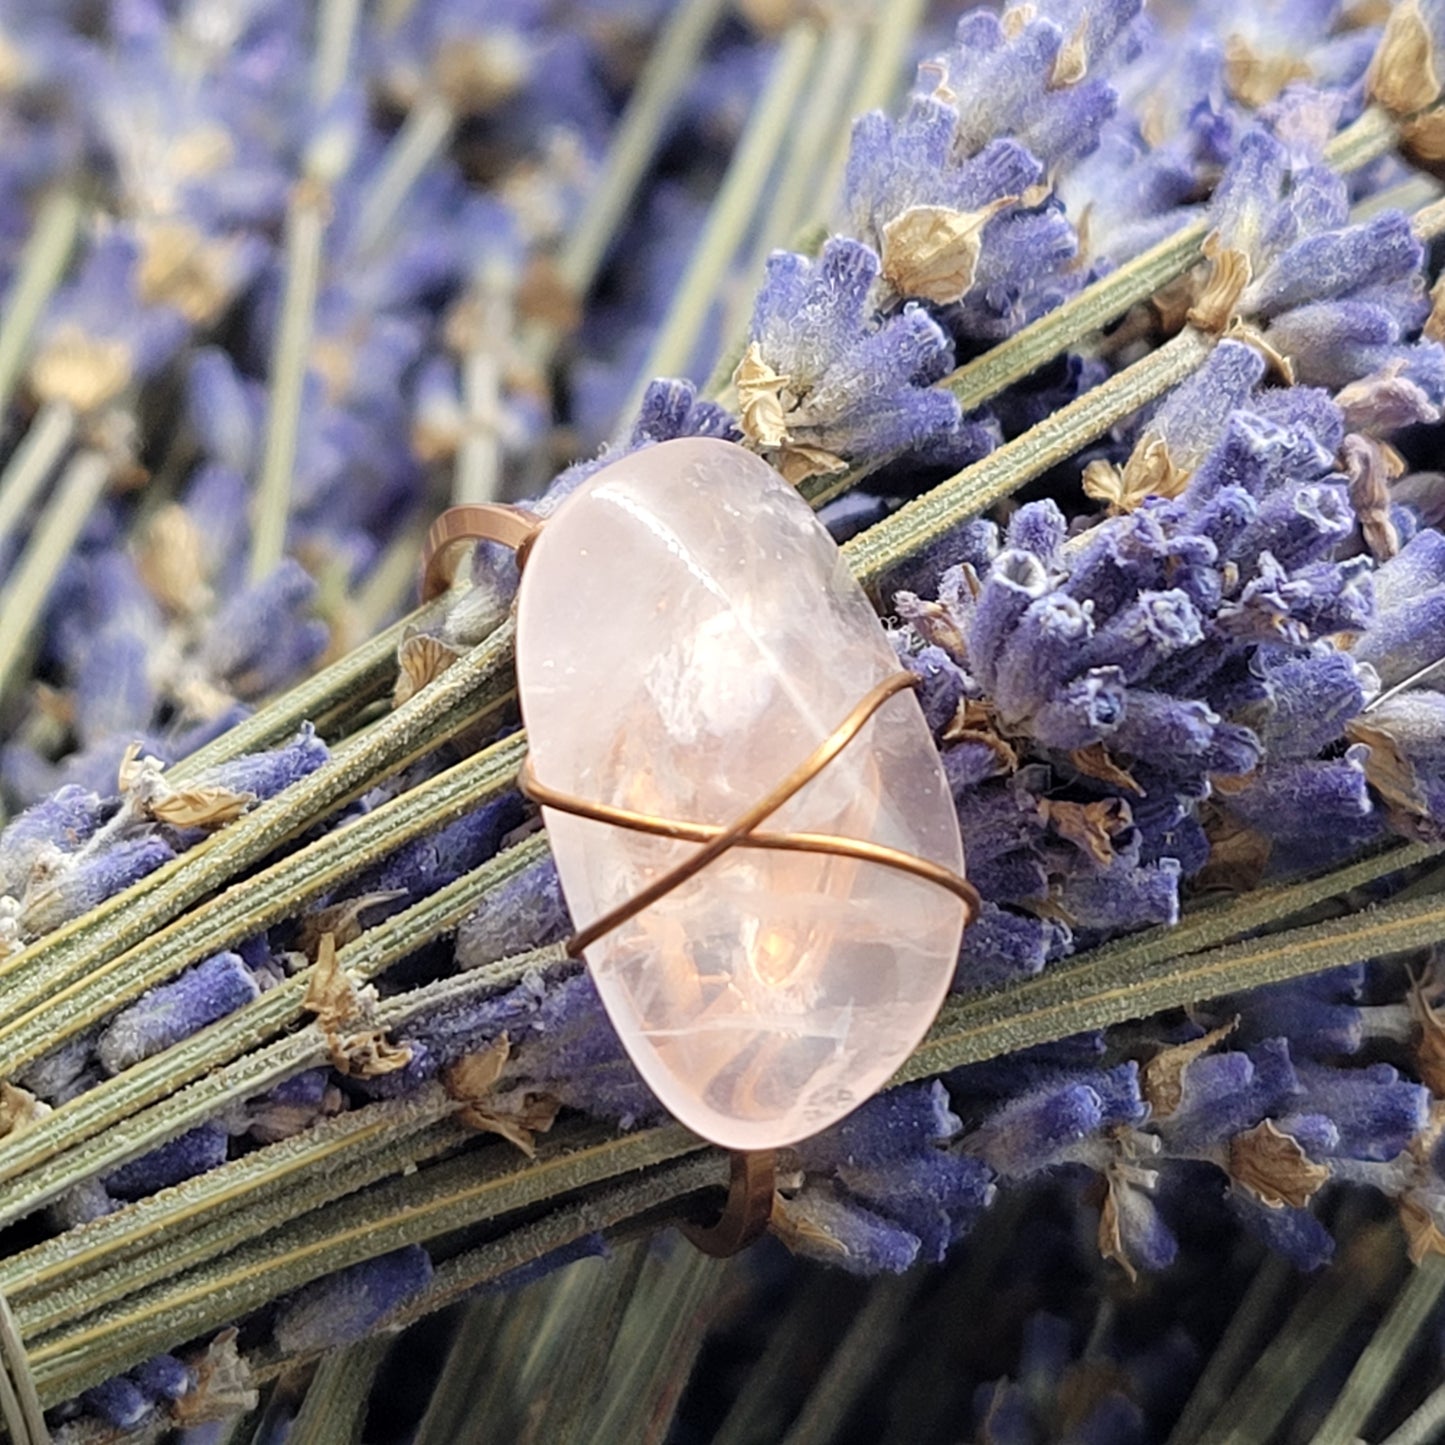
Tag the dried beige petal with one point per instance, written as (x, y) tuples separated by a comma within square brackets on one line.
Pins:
[(1387, 767), (420, 659), (84, 371), (1111, 1233), (1229, 273), (1094, 762), (518, 1116), (1238, 854), (1274, 1168), (1279, 364), (1423, 1236), (223, 1386), (1016, 19), (344, 1013), (797, 463), (1402, 75), (1422, 140), (1091, 827), (19, 1109), (1435, 322), (760, 390), (800, 1233), (1150, 472), (1162, 1078), (932, 251), (179, 266), (1371, 466), (1071, 64), (171, 560), (1430, 1045), (1254, 79)]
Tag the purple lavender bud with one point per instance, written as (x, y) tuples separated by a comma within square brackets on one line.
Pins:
[(176, 1010), (1294, 1233), (1004, 1411), (1049, 643), (86, 880), (1014, 581), (935, 1195), (183, 1158), (1376, 1112), (842, 1233), (164, 1378), (888, 1126), (352, 1302), (1123, 898), (1196, 412), (266, 774), (941, 685), (119, 1402), (1001, 947), (1039, 1130), (672, 409), (1317, 268), (1088, 709), (1311, 699), (1226, 1093), (1314, 1133), (1294, 800), (64, 820), (1317, 1027), (1148, 1242), (262, 637), (528, 912)]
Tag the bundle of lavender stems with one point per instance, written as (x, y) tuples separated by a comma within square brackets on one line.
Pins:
[(1108, 344)]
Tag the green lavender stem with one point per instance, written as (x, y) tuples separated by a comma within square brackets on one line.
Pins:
[(1380, 1363), (146, 1105), (31, 464), (42, 264), (439, 1200), (24, 595), (731, 214), (424, 135), (669, 68), (46, 1008)]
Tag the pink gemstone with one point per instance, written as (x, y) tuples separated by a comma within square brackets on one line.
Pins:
[(687, 635)]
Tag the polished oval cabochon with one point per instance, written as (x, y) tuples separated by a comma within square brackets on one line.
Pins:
[(688, 635)]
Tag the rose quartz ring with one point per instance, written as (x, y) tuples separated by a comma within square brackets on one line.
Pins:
[(749, 817)]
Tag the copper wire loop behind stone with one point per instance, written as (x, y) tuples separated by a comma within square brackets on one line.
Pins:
[(20, 1410), (752, 1186), (464, 526)]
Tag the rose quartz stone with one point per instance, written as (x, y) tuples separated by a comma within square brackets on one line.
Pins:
[(687, 635)]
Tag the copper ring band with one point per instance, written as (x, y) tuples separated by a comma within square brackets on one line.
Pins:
[(467, 525), (752, 1184)]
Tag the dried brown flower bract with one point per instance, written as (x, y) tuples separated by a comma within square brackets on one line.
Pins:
[(932, 251), (1402, 76), (204, 805), (420, 659), (344, 1012), (1216, 306), (1162, 1078), (518, 1116), (1274, 1168), (1150, 472)]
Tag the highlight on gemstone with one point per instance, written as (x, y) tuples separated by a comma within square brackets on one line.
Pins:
[(688, 634)]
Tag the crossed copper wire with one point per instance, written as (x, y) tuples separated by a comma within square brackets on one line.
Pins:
[(750, 1193)]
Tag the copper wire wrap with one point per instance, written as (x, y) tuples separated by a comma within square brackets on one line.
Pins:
[(717, 840), (752, 1184), (464, 526)]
